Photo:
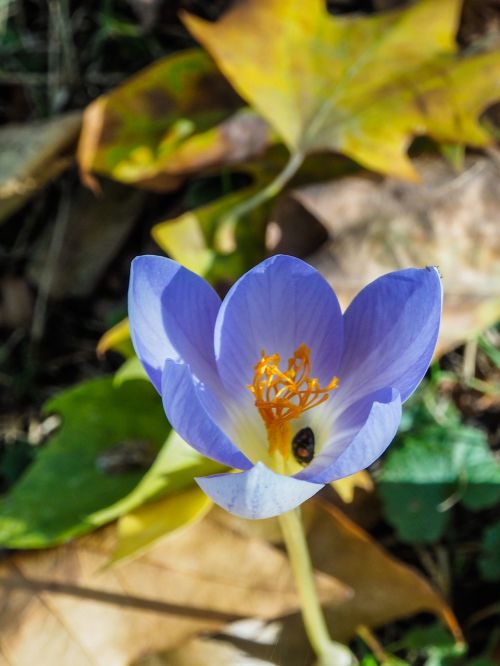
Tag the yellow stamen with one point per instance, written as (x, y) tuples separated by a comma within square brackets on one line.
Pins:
[(281, 396)]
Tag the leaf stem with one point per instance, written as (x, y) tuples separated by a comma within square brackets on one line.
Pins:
[(271, 190), (329, 653)]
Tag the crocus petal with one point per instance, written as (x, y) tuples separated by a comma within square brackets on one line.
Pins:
[(356, 444), (390, 330), (172, 315), (257, 493), (196, 414), (277, 306)]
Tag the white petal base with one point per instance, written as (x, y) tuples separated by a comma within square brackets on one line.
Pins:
[(258, 492)]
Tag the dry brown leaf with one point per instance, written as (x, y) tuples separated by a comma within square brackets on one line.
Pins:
[(267, 529), (55, 604), (449, 220), (16, 302), (385, 589), (240, 650), (31, 155), (202, 652)]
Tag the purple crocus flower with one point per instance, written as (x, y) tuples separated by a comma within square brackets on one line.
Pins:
[(274, 380)]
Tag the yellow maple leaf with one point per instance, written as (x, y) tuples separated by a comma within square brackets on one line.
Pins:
[(362, 86)]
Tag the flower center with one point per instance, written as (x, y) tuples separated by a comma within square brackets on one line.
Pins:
[(281, 396)]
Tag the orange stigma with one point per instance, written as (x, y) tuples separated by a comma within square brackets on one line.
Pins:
[(281, 396)]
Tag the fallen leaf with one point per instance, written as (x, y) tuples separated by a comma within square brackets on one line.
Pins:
[(16, 303), (117, 339), (363, 86), (346, 487), (31, 155), (243, 136), (55, 604), (95, 229), (174, 470), (267, 529), (183, 239), (202, 652), (196, 240), (385, 589), (72, 477), (173, 118), (140, 529), (448, 220)]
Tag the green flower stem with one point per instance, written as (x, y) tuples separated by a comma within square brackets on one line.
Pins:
[(329, 653)]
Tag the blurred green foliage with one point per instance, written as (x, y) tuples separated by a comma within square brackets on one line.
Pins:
[(71, 480), (432, 466)]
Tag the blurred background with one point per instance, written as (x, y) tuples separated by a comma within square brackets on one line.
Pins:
[(359, 135)]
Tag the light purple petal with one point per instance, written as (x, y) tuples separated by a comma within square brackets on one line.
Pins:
[(277, 306), (196, 414), (172, 314), (390, 330), (257, 493), (360, 436)]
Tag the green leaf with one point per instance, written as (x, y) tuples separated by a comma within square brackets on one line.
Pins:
[(455, 154), (173, 470), (58, 495), (425, 638), (489, 559), (368, 660), (14, 459), (131, 369), (434, 643), (414, 510), (479, 471), (434, 467), (362, 86)]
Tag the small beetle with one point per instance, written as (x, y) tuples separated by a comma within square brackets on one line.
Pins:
[(303, 446)]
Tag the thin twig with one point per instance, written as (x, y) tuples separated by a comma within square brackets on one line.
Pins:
[(469, 364)]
